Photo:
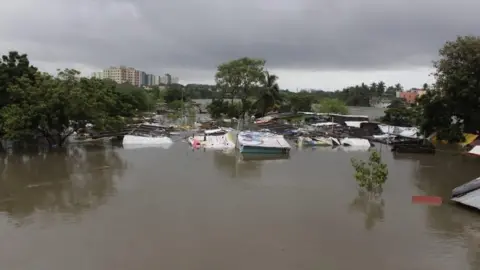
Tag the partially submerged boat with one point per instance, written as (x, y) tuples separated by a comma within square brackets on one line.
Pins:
[(355, 142), (315, 141), (410, 145), (251, 142), (475, 151), (468, 194), (147, 135), (219, 139), (145, 140)]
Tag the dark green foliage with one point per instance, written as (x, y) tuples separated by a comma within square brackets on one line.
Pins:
[(371, 175)]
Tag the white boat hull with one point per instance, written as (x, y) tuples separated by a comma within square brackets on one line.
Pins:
[(140, 140)]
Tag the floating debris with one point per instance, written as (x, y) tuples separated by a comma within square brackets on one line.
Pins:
[(428, 200)]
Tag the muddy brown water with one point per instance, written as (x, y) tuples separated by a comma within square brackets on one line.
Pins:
[(114, 208)]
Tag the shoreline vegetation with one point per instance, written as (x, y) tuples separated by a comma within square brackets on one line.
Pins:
[(40, 107)]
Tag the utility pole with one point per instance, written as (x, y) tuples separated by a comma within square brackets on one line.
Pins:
[(183, 110)]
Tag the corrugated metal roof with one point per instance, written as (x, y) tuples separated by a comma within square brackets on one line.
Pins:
[(471, 199)]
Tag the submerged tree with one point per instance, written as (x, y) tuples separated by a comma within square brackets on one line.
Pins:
[(238, 78), (370, 175)]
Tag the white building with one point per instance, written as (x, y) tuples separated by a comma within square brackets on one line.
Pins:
[(98, 75), (123, 74)]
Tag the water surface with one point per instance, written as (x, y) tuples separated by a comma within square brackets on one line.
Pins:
[(173, 209)]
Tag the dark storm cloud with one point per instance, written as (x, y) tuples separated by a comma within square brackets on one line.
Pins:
[(155, 34)]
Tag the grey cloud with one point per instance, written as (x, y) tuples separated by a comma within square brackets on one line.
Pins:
[(159, 35)]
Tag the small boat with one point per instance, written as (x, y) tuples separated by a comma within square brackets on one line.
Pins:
[(251, 142), (145, 140), (410, 145), (356, 142), (220, 139), (468, 194), (219, 142), (314, 141)]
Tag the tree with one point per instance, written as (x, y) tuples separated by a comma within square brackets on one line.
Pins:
[(38, 104), (270, 98), (237, 79), (371, 175), (381, 87), (301, 101), (404, 117), (330, 105), (57, 106), (217, 108), (13, 67), (136, 96), (397, 103), (174, 92), (453, 102)]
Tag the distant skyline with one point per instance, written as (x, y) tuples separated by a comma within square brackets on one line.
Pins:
[(308, 44), (293, 80)]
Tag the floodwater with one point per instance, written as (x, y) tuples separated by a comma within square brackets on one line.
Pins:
[(153, 208)]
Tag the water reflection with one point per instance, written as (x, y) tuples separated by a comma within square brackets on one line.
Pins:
[(370, 206), (66, 181), (437, 175), (231, 164), (473, 245)]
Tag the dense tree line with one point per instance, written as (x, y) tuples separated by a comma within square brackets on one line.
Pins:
[(35, 104)]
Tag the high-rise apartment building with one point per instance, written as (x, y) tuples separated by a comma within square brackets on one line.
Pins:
[(130, 76), (123, 74), (141, 77), (118, 74)]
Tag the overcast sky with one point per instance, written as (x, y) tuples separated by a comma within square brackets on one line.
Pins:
[(326, 44)]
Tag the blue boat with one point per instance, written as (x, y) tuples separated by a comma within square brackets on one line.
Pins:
[(250, 142)]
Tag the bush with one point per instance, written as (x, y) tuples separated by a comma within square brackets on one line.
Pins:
[(372, 175)]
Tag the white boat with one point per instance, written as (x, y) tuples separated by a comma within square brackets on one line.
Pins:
[(140, 146), (218, 142), (355, 142), (145, 140), (251, 142)]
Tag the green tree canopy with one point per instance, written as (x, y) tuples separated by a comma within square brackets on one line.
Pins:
[(452, 105), (35, 103), (330, 105), (238, 78)]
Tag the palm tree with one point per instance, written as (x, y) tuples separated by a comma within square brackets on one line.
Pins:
[(270, 95)]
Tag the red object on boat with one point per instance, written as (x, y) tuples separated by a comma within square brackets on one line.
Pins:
[(430, 200)]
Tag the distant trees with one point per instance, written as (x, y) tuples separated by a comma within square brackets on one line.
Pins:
[(330, 105)]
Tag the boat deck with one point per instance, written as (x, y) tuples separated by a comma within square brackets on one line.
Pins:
[(262, 140)]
